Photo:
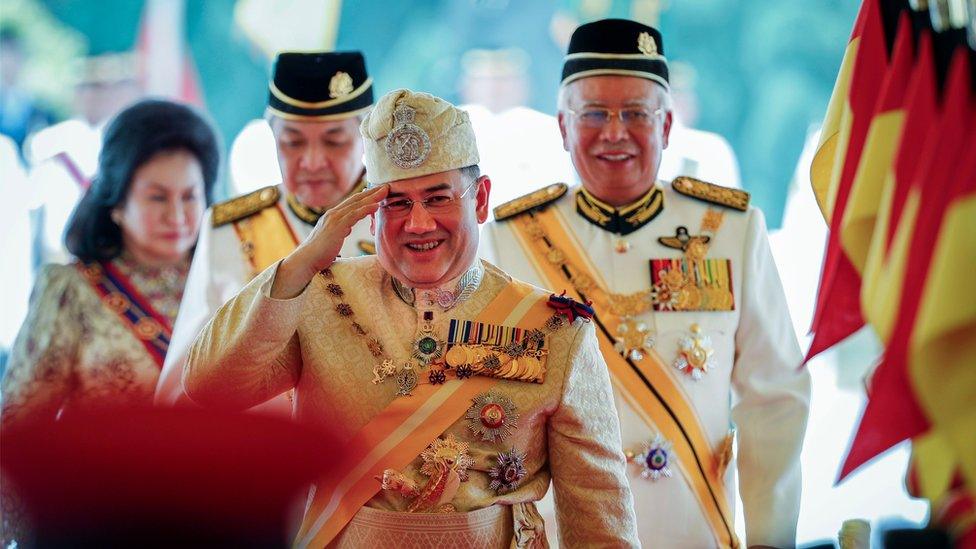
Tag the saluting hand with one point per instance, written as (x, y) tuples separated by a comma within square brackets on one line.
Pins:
[(322, 246)]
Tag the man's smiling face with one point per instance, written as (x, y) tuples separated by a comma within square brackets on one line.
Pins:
[(425, 246)]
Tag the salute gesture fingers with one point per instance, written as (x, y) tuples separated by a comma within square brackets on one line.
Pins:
[(324, 242), (322, 246)]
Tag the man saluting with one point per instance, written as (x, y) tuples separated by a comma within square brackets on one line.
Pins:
[(456, 391), (315, 104)]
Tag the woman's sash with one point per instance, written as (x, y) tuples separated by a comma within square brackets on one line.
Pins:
[(118, 293)]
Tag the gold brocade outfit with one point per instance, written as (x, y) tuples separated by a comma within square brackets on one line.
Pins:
[(73, 352), (221, 267), (257, 346)]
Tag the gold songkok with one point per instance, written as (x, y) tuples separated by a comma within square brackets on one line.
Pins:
[(410, 134)]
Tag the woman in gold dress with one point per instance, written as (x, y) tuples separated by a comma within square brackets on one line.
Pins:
[(98, 328)]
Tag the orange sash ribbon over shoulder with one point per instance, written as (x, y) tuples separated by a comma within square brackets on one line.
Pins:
[(396, 436), (647, 385), (265, 237)]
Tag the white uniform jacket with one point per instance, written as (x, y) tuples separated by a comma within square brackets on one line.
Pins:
[(755, 382)]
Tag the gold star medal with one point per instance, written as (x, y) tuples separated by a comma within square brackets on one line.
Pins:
[(694, 353), (492, 416)]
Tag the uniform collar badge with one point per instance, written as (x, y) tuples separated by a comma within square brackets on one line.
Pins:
[(311, 215), (445, 297), (625, 219), (307, 214)]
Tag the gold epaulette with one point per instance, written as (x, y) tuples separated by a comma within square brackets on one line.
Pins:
[(367, 247), (530, 201), (240, 207), (711, 193)]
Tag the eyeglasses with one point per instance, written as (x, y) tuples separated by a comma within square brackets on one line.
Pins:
[(437, 203), (631, 117)]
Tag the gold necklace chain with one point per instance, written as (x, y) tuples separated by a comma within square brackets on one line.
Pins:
[(519, 360)]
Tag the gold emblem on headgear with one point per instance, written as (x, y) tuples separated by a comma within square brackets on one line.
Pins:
[(341, 84), (646, 44), (408, 144)]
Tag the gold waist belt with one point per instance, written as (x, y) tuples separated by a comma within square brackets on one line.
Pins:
[(371, 528)]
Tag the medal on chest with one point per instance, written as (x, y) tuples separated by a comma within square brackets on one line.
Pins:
[(472, 348), (693, 282), (445, 464), (426, 347), (694, 353), (653, 458)]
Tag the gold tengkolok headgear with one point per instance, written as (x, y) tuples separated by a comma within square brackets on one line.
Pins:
[(410, 134)]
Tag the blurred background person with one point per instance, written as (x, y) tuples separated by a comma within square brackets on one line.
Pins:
[(694, 152), (97, 330), (520, 147), (20, 112), (64, 157), (15, 269)]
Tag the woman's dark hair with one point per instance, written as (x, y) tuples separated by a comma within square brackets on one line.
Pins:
[(132, 138)]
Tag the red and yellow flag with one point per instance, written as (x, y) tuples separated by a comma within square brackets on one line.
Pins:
[(884, 135), (903, 238), (834, 166), (886, 261), (942, 353), (824, 165), (894, 412)]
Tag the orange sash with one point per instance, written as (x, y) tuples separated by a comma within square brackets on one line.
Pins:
[(396, 436), (265, 237), (647, 385)]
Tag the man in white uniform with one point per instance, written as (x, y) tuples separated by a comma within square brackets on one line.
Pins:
[(690, 311), (315, 104)]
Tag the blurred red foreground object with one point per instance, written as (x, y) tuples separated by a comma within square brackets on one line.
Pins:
[(163, 477)]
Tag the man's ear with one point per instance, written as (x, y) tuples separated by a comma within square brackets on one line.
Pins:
[(666, 130), (561, 117), (484, 191)]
